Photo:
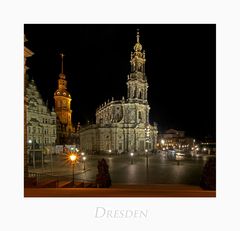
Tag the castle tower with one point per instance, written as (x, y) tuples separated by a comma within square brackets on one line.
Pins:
[(63, 102), (137, 81)]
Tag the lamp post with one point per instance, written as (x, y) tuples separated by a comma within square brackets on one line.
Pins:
[(42, 162), (162, 143), (31, 142), (146, 153), (84, 158), (29, 150), (73, 159), (82, 154), (131, 154), (52, 157)]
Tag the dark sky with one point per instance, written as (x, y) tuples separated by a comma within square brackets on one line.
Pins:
[(180, 67)]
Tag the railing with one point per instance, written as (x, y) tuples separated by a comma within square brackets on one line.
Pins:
[(45, 180)]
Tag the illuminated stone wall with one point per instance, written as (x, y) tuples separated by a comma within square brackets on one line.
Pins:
[(41, 122)]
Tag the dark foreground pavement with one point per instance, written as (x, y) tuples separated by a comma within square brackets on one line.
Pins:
[(163, 190)]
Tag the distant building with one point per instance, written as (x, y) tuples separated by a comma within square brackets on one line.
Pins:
[(41, 123), (123, 125), (174, 139), (207, 145)]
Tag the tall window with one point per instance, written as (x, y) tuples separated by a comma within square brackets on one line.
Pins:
[(139, 115), (135, 93), (120, 146)]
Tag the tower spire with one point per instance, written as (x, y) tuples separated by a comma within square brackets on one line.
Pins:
[(138, 35), (62, 55), (138, 46), (137, 82)]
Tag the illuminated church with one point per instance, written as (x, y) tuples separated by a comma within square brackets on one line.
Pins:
[(123, 125), (65, 131)]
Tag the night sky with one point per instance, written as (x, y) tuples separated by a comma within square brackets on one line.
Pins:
[(180, 67)]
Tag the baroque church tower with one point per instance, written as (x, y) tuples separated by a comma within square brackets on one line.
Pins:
[(63, 102), (137, 80), (137, 86)]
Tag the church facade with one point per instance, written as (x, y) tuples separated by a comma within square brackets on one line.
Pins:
[(123, 125)]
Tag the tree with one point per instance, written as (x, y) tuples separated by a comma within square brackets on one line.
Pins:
[(103, 178), (208, 178)]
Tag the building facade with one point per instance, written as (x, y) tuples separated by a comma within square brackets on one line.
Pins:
[(123, 125), (27, 53), (41, 123), (175, 139)]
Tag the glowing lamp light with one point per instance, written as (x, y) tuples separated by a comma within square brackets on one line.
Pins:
[(30, 141), (73, 157), (84, 158), (109, 150), (162, 141), (82, 153), (131, 154)]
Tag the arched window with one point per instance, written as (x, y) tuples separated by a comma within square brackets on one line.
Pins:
[(139, 115), (135, 93)]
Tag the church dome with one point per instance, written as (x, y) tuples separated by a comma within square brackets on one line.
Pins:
[(138, 47)]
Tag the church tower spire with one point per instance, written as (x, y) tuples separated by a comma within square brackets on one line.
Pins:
[(63, 100), (62, 55), (137, 80), (62, 83)]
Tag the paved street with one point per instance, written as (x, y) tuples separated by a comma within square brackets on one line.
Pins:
[(159, 171)]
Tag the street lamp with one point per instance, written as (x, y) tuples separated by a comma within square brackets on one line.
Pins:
[(29, 150), (131, 154), (146, 153), (82, 154), (32, 142), (73, 158), (84, 158)]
